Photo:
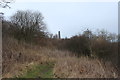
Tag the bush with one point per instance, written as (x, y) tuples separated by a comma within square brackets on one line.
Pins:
[(105, 50), (78, 45)]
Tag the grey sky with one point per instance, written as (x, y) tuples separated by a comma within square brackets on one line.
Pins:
[(73, 17)]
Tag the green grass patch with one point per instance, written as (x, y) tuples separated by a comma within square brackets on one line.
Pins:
[(44, 70)]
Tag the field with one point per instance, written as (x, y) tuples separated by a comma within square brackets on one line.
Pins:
[(45, 62)]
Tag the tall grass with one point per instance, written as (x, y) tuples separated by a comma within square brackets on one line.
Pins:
[(72, 67), (67, 65)]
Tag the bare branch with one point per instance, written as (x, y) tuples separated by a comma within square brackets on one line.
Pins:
[(5, 3)]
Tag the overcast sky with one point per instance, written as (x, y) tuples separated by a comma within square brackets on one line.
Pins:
[(72, 17)]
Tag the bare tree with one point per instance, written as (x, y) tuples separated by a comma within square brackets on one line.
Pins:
[(28, 19), (88, 33), (112, 37), (5, 3), (30, 23)]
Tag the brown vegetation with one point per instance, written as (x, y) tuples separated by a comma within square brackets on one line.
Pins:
[(83, 56), (72, 67), (67, 65)]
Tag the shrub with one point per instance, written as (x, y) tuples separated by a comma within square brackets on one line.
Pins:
[(79, 45)]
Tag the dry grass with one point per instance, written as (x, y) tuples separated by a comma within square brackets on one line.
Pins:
[(14, 62), (72, 67), (66, 64)]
